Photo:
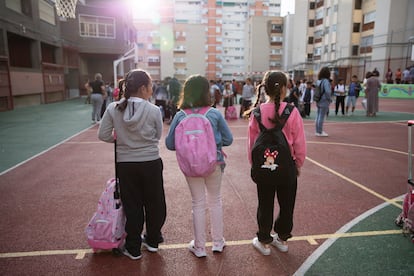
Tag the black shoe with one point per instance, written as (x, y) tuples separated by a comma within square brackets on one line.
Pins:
[(132, 254)]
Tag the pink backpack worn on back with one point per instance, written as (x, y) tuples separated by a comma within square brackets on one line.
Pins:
[(195, 144)]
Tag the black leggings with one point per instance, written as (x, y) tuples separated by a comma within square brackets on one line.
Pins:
[(285, 189), (143, 198)]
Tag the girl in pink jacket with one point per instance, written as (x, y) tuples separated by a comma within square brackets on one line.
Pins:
[(274, 83)]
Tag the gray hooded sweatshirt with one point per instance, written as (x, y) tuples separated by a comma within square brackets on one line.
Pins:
[(138, 130)]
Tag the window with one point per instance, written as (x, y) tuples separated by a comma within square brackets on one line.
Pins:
[(276, 39), (312, 5), (47, 12), (319, 14), (277, 28), (317, 51), (318, 34), (20, 51), (356, 27), (48, 53), (355, 49), (96, 26), (153, 59), (369, 17), (310, 40), (358, 4), (311, 22), (20, 6), (367, 41)]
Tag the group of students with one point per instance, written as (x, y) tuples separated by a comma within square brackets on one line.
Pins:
[(137, 124)]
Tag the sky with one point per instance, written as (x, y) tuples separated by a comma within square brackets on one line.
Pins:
[(287, 6)]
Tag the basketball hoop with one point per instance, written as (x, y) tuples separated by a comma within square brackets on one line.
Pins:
[(66, 8)]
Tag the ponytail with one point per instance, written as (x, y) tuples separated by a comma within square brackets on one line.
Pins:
[(247, 113), (134, 80), (276, 99)]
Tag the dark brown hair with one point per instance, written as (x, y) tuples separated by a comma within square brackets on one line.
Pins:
[(195, 92), (272, 83), (324, 73), (134, 80)]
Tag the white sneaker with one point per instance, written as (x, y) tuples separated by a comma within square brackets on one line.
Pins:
[(262, 248), (324, 134), (218, 246), (279, 244), (198, 252)]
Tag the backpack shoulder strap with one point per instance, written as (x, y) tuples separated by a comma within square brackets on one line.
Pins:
[(285, 115), (258, 116)]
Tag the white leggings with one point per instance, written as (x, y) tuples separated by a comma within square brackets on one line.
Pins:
[(206, 193)]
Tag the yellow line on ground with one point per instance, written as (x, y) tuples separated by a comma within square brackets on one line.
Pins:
[(311, 239), (355, 183)]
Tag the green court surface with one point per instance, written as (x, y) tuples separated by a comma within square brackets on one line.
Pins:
[(376, 249), (28, 131)]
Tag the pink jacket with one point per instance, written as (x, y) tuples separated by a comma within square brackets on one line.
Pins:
[(293, 130)]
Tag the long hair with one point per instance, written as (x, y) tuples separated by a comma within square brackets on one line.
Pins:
[(272, 84), (195, 92), (324, 73), (134, 80)]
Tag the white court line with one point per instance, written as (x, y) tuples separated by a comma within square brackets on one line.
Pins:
[(46, 150)]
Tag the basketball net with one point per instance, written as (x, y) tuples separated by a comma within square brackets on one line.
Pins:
[(66, 8)]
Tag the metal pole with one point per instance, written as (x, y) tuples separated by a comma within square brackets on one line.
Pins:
[(410, 159)]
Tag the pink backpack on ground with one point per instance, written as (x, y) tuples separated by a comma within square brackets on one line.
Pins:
[(231, 113), (106, 229), (195, 144), (406, 218)]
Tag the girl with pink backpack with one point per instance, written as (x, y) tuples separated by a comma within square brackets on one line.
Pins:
[(196, 133)]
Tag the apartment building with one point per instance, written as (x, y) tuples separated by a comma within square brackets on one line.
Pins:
[(213, 38), (351, 37), (44, 58)]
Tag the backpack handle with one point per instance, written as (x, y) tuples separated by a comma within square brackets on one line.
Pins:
[(117, 194)]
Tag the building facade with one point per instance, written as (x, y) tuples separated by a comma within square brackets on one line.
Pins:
[(350, 37), (44, 58), (213, 38)]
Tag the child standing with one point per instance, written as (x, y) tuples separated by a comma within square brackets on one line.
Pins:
[(340, 97), (205, 191), (354, 88), (307, 98), (228, 97), (284, 186), (138, 127)]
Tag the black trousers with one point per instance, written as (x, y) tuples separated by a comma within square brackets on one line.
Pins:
[(340, 100), (285, 189), (143, 198), (307, 107)]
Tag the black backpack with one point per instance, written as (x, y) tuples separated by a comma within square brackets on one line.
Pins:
[(318, 92), (271, 155)]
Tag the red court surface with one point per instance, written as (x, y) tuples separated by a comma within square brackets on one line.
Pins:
[(47, 202)]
